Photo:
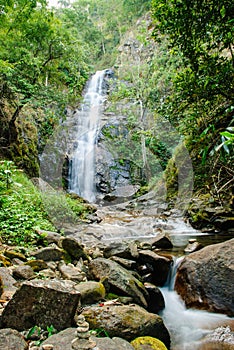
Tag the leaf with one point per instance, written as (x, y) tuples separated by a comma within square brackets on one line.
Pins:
[(227, 134), (223, 11)]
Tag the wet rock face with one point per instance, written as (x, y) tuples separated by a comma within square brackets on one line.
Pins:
[(160, 265), (112, 172), (42, 303), (205, 278)]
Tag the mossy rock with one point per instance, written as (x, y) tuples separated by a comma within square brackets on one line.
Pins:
[(4, 261), (148, 343)]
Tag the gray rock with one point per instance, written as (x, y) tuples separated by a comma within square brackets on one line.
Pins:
[(112, 344), (42, 303), (24, 272), (119, 249), (160, 264), (128, 264), (156, 301), (49, 254), (74, 248), (161, 241), (126, 321), (205, 278), (120, 280), (61, 340), (12, 254), (10, 339), (8, 282), (71, 272), (37, 265), (91, 292), (49, 236), (220, 338), (193, 246)]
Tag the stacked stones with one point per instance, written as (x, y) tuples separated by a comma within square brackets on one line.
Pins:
[(82, 340)]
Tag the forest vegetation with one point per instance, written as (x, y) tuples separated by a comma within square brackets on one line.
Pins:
[(47, 55)]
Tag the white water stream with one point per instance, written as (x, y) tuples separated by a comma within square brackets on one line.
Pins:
[(187, 326), (82, 167)]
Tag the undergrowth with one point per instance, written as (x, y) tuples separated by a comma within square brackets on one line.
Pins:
[(22, 210)]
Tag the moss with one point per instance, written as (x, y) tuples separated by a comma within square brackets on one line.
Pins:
[(148, 343), (4, 261), (111, 296)]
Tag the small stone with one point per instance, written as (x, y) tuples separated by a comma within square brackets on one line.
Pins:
[(47, 347), (83, 329)]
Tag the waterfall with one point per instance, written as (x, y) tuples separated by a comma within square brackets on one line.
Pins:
[(187, 327), (82, 164)]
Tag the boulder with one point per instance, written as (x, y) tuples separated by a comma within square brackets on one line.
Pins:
[(112, 344), (71, 272), (192, 246), (160, 264), (37, 265), (51, 253), (11, 254), (74, 248), (121, 281), (148, 343), (42, 303), (24, 272), (119, 249), (10, 339), (205, 278), (91, 292), (221, 338), (49, 236), (128, 264), (4, 261), (126, 321), (156, 301), (8, 283), (63, 340), (161, 241)]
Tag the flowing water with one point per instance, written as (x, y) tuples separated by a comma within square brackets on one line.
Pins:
[(187, 327), (82, 165)]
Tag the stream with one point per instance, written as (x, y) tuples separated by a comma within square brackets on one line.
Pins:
[(139, 219), (187, 326)]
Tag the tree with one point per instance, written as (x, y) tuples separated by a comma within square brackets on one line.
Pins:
[(201, 101), (37, 55)]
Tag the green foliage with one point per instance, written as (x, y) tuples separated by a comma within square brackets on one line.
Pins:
[(200, 100), (40, 333), (23, 210), (100, 332), (7, 169)]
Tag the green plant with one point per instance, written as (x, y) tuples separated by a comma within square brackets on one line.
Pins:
[(40, 333), (227, 138), (100, 332), (7, 169)]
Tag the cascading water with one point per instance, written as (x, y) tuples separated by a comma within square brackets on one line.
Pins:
[(82, 165), (186, 326)]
